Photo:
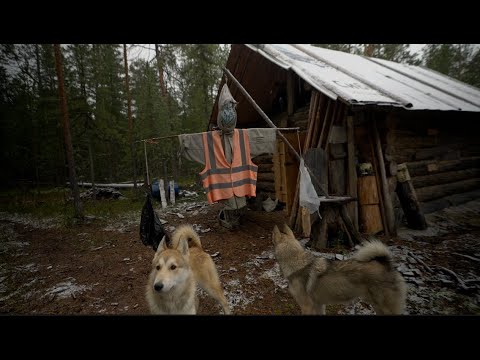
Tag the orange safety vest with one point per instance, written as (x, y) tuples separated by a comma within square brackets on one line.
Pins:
[(222, 180)]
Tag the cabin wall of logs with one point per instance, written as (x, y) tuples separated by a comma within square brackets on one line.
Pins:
[(441, 152), (395, 166)]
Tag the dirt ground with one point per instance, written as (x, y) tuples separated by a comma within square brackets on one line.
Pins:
[(102, 268)]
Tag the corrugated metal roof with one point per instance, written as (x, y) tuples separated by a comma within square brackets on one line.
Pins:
[(366, 81)]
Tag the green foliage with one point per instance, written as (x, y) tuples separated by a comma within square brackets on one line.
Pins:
[(460, 61)]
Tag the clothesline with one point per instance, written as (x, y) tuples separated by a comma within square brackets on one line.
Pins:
[(171, 136)]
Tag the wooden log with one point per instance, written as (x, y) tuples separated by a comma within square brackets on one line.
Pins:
[(434, 205), (438, 191), (411, 206), (263, 159), (383, 181), (370, 219), (267, 167), (426, 167), (266, 177), (392, 168), (430, 153), (444, 178), (451, 200), (266, 186)]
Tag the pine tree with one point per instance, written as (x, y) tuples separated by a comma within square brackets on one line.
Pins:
[(67, 137)]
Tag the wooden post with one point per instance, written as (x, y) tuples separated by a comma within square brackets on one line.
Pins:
[(352, 173), (383, 181), (161, 188)]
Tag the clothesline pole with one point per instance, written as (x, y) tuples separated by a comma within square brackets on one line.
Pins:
[(272, 125), (146, 161), (172, 136)]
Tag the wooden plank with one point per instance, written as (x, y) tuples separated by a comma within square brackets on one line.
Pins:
[(316, 159), (290, 92), (311, 118), (316, 122), (336, 174), (283, 172), (327, 115), (383, 180), (335, 120), (328, 123), (277, 173), (339, 135), (380, 194), (367, 190), (370, 219), (352, 207)]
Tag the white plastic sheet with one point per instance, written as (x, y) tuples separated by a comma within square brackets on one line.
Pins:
[(308, 195)]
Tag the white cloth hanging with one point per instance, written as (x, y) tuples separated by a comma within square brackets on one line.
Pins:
[(308, 195)]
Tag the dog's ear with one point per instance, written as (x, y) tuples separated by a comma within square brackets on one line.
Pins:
[(163, 245), (183, 247), (287, 230), (276, 234)]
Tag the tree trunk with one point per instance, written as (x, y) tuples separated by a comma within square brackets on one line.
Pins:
[(130, 121), (369, 48), (66, 133), (160, 70), (35, 121), (92, 172)]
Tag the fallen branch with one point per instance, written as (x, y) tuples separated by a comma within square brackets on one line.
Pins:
[(468, 257), (460, 281), (421, 262)]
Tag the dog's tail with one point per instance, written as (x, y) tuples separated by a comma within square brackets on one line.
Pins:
[(186, 232), (374, 250)]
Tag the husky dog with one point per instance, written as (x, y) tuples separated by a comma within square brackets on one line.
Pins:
[(171, 287), (203, 267), (315, 282)]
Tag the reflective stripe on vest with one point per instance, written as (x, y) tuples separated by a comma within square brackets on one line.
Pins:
[(222, 180)]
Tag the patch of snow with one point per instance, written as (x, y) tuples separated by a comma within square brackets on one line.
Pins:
[(66, 289), (30, 220)]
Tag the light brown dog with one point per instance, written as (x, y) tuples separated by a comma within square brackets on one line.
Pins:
[(171, 287), (203, 267)]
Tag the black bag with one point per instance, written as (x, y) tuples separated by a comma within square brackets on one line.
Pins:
[(151, 229)]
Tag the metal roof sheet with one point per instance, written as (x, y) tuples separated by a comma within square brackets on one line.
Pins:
[(364, 81)]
